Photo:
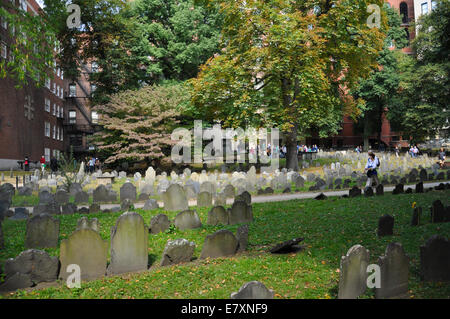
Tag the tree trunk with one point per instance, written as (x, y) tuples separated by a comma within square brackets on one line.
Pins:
[(366, 133), (291, 145)]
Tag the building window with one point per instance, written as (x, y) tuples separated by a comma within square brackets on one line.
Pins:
[(72, 117), (47, 105), (94, 116), (4, 50), (424, 7), (72, 90), (62, 112), (47, 129), (54, 88), (54, 109), (47, 154), (54, 132), (62, 75), (57, 133), (47, 83), (57, 91), (433, 4), (23, 5), (404, 12)]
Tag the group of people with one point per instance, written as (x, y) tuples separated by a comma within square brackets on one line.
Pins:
[(414, 151), (93, 164)]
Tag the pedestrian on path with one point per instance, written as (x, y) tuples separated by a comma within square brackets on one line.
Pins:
[(371, 168)]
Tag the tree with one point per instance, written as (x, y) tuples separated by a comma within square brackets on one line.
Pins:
[(179, 36), (138, 124), (425, 86), (378, 90), (31, 47), (288, 63)]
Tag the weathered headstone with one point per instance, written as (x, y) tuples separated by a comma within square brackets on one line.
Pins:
[(45, 197), (416, 216), (204, 199), (151, 204), (61, 197), (128, 191), (394, 271), (187, 219), (353, 273), (438, 212), (69, 209), (221, 243), (354, 192), (398, 189), (253, 290), (385, 226), (86, 223), (86, 249), (42, 231), (174, 198), (380, 190), (240, 213), (217, 215), (129, 244), (244, 196), (177, 251), (242, 238), (159, 224), (435, 259), (81, 198)]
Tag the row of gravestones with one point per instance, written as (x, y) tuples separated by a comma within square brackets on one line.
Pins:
[(394, 269), (86, 248)]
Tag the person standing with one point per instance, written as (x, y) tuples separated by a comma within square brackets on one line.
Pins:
[(53, 164), (371, 168), (26, 164), (42, 161), (396, 150), (91, 165), (441, 157)]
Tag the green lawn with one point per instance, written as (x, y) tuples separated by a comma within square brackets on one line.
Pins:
[(329, 227)]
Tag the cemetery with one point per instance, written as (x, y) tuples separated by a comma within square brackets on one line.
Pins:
[(230, 234)]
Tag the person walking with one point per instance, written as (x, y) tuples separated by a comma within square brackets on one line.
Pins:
[(27, 164), (371, 168), (441, 157), (53, 164), (91, 165), (396, 150)]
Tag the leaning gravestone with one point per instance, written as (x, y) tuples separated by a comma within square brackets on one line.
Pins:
[(394, 270), (42, 232), (177, 251), (174, 198), (253, 290), (86, 249), (353, 273), (385, 226), (240, 213), (37, 264), (217, 215), (187, 219), (242, 238), (435, 259), (159, 224), (128, 191), (221, 243), (129, 244)]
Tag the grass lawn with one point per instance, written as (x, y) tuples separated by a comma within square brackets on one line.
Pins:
[(329, 227)]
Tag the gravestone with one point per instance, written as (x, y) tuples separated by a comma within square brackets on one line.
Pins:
[(435, 259), (438, 212), (416, 216), (354, 192), (380, 190), (368, 192), (16, 281), (20, 213), (242, 238), (129, 244), (229, 191), (394, 271), (398, 189), (207, 187), (128, 191), (42, 231), (240, 213), (143, 197), (86, 223), (353, 273), (94, 208), (177, 251), (25, 191), (423, 175), (217, 216), (151, 204), (245, 196), (253, 290), (86, 249), (101, 194), (299, 182), (220, 244), (45, 197), (81, 198), (37, 264), (174, 198), (419, 187), (126, 205), (287, 247), (187, 219), (61, 197), (159, 224), (220, 199), (204, 199), (385, 226), (69, 209)]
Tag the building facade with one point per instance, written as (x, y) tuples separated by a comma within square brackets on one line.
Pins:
[(31, 118)]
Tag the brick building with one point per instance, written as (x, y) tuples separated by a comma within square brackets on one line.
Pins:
[(31, 118)]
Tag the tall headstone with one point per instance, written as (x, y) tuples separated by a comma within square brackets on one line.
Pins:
[(86, 249), (128, 191), (42, 231), (394, 271), (353, 273), (129, 244), (175, 199)]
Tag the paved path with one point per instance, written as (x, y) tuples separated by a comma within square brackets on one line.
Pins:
[(284, 197)]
